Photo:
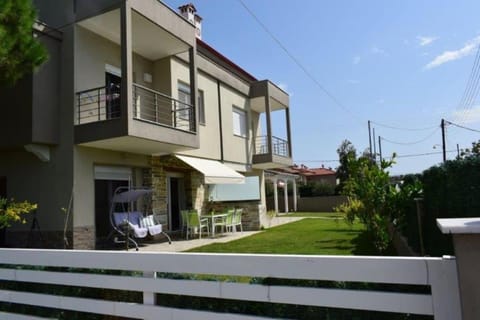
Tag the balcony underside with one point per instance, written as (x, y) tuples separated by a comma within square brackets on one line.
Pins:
[(131, 144), (148, 39), (269, 161)]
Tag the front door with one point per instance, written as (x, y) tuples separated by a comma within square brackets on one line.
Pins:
[(176, 201)]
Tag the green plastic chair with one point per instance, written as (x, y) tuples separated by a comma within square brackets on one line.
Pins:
[(229, 220), (194, 222), (184, 217), (237, 220)]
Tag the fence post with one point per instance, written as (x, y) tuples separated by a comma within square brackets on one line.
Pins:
[(466, 242), (149, 298), (443, 279)]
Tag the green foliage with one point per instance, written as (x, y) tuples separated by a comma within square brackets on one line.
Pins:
[(11, 211), (371, 198), (473, 152), (20, 52), (316, 189), (451, 190), (346, 152)]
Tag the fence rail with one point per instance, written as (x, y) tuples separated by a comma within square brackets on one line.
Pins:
[(438, 273)]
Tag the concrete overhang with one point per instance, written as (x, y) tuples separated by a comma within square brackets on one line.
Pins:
[(149, 39), (259, 90)]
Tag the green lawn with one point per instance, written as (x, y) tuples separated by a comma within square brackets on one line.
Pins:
[(307, 236), (314, 215)]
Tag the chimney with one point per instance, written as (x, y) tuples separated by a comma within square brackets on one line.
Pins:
[(188, 11)]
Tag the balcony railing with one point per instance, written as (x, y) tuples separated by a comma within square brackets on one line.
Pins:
[(98, 104), (103, 103), (279, 146), (153, 106)]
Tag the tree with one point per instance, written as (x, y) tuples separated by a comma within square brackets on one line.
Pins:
[(346, 152), (470, 153), (20, 51), (371, 197)]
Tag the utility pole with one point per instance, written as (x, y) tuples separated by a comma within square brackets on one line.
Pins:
[(458, 151), (444, 147), (374, 147), (370, 138), (380, 148)]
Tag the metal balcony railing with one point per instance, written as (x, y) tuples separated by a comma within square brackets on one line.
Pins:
[(97, 104), (153, 106), (279, 146), (103, 103)]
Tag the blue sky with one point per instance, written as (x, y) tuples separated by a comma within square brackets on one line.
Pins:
[(403, 64)]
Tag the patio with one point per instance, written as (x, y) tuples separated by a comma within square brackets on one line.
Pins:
[(181, 244)]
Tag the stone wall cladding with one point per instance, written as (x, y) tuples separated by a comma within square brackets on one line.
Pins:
[(196, 192), (84, 238), (251, 211)]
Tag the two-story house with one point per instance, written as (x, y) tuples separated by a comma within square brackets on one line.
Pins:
[(131, 96)]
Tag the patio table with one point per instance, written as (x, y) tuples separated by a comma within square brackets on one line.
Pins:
[(213, 217)]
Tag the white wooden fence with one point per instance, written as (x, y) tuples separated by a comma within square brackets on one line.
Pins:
[(438, 273)]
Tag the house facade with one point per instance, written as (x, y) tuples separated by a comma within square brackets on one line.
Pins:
[(131, 96)]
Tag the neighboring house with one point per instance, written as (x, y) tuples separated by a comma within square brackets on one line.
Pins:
[(322, 174), (131, 95)]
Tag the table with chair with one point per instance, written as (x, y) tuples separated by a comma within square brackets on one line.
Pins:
[(226, 221)]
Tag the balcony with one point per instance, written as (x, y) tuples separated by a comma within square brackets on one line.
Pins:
[(100, 110), (276, 156), (269, 101), (123, 78)]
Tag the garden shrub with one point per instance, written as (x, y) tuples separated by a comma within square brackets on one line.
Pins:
[(451, 190)]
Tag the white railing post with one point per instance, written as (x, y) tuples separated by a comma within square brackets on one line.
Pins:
[(466, 242), (149, 298)]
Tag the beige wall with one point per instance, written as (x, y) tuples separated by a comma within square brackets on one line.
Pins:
[(235, 148), (93, 52), (85, 160), (210, 132)]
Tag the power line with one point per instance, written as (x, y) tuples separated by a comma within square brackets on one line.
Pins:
[(299, 64), (400, 128), (413, 142), (460, 126), (421, 154), (305, 161), (471, 89), (412, 155)]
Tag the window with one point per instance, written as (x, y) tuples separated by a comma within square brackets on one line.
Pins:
[(201, 107), (183, 108), (239, 122)]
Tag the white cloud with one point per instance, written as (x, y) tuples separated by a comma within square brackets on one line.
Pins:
[(448, 56), (377, 50), (356, 60), (425, 40), (469, 116)]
